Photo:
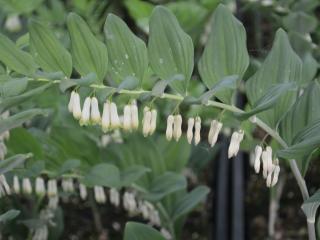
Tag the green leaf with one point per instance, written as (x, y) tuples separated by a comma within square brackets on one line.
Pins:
[(69, 165), (12, 86), (21, 140), (268, 100), (48, 52), (309, 68), (170, 49), (282, 65), (132, 174), (189, 201), (127, 53), (229, 82), (160, 86), (87, 80), (129, 83), (102, 175), (12, 101), (165, 184), (300, 22), (310, 207), (88, 53), (16, 59), (9, 215), (303, 144), (139, 231), (12, 162), (19, 118), (34, 170), (225, 53)]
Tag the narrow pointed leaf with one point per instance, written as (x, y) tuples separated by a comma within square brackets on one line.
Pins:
[(9, 215), (16, 59), (12, 162), (12, 86), (225, 53), (88, 53), (189, 201), (282, 65), (48, 52), (127, 53), (170, 49)]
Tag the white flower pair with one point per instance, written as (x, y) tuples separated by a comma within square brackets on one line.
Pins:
[(174, 124), (110, 118), (83, 191), (130, 116), (270, 170), (129, 202), (149, 122), (235, 141), (67, 185), (196, 124), (215, 128)]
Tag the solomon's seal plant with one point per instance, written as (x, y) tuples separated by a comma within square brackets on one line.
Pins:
[(120, 85)]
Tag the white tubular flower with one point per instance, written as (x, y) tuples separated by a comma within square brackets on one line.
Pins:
[(99, 194), (169, 130), (190, 130), (40, 188), (16, 184), (3, 150), (215, 128), (5, 184), (234, 146), (53, 202), (155, 218), (153, 121), (67, 185), (26, 186), (257, 156), (143, 208), (269, 158), (134, 115), (275, 175), (114, 117), (127, 122), (105, 121), (76, 107), (52, 188), (269, 179), (71, 101), (146, 122), (85, 115), (95, 113), (177, 127), (83, 191), (114, 197), (197, 130), (13, 23), (166, 234)]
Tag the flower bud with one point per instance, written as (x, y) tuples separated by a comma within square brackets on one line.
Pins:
[(234, 146), (169, 130), (105, 121), (114, 197), (70, 105), (85, 115), (83, 191), (76, 106), (26, 186), (215, 128), (257, 156), (127, 122), (190, 130), (177, 127), (52, 188), (146, 122), (95, 113), (114, 117), (99, 194), (16, 184), (134, 115), (275, 175), (197, 129), (40, 188)]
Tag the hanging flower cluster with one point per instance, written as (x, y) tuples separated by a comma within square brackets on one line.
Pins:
[(270, 168), (130, 202)]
